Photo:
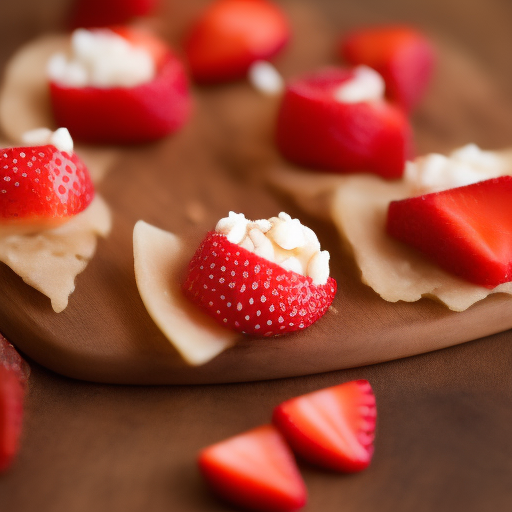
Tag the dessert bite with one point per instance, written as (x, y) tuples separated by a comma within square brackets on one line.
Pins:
[(263, 277), (231, 35), (118, 85), (401, 55), (338, 120), (49, 214)]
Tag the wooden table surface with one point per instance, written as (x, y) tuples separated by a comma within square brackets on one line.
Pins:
[(443, 440)]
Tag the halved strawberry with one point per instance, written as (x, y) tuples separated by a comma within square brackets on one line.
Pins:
[(251, 294), (316, 129), (141, 113), (231, 35), (402, 55), (41, 186), (465, 230), (333, 428), (103, 13), (255, 470)]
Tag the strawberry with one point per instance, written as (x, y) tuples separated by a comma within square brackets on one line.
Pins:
[(13, 377), (465, 230), (141, 113), (231, 35), (402, 55), (41, 186), (251, 294), (103, 13), (316, 129), (255, 470), (333, 428)]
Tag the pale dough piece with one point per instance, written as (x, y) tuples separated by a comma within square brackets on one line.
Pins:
[(25, 102), (50, 260), (159, 259)]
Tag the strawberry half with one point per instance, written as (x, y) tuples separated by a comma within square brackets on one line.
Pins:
[(251, 294), (402, 55), (255, 470), (103, 13), (231, 35), (141, 113), (315, 129), (333, 428), (41, 186), (465, 230)]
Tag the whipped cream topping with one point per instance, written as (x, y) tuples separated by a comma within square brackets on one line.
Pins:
[(103, 59), (464, 166), (265, 78), (366, 85), (60, 138), (282, 240)]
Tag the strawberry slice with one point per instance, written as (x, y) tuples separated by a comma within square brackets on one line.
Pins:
[(402, 55), (231, 35), (118, 114), (316, 128), (249, 293), (465, 230), (103, 13), (255, 470), (41, 186), (333, 428)]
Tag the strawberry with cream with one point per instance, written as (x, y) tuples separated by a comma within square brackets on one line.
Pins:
[(118, 86)]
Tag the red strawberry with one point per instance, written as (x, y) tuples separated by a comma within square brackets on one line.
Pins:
[(231, 35), (251, 294), (333, 428), (403, 56), (12, 361), (465, 230), (317, 130), (255, 470), (42, 186), (127, 114), (103, 13)]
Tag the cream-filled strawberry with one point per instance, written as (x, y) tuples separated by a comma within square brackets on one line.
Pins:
[(233, 34), (402, 55), (42, 186), (118, 86), (265, 277), (338, 120)]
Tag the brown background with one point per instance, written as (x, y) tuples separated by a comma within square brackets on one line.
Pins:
[(443, 440)]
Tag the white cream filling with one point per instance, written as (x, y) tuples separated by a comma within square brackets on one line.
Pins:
[(265, 78), (464, 166), (60, 138), (367, 85), (282, 240), (101, 58)]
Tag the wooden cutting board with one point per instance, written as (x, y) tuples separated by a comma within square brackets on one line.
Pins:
[(185, 183)]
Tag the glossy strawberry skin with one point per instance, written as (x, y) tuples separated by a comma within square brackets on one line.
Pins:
[(41, 184), (250, 294), (125, 115), (466, 230), (402, 55), (317, 131), (332, 428), (231, 35), (255, 470), (103, 13)]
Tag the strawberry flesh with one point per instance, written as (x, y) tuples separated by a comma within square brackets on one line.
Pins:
[(402, 55), (316, 130), (251, 294), (231, 35), (255, 470), (42, 186), (466, 230), (332, 428)]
